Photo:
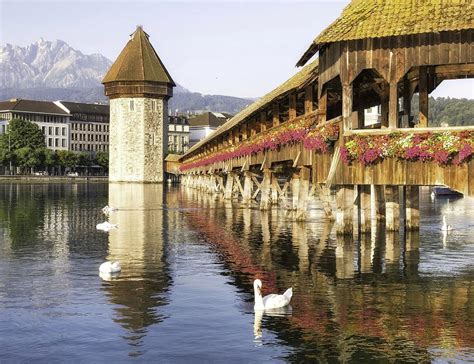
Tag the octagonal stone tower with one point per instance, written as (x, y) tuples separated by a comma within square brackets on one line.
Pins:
[(139, 87)]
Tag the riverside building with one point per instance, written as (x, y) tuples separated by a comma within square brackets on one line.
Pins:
[(51, 119)]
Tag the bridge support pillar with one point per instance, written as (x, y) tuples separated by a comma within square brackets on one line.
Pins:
[(229, 186), (303, 194), (295, 188), (248, 189), (392, 208), (275, 192), (412, 208), (377, 201), (345, 210), (364, 208), (265, 189)]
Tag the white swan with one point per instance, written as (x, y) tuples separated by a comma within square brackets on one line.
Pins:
[(106, 226), (446, 227), (107, 210), (270, 301), (110, 267)]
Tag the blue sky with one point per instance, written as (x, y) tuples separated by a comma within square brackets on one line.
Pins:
[(243, 48)]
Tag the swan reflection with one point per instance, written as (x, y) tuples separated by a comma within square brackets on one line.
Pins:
[(258, 317)]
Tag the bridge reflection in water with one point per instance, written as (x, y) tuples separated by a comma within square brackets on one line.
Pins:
[(360, 298)]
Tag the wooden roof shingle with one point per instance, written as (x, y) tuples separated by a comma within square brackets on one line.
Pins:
[(138, 61), (364, 19)]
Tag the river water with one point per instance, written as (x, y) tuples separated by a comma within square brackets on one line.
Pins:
[(188, 262)]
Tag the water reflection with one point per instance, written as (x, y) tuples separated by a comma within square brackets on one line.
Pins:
[(139, 244), (356, 299)]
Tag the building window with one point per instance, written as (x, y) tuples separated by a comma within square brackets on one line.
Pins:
[(56, 142), (63, 143), (64, 131), (131, 105), (50, 130), (50, 142), (153, 105)]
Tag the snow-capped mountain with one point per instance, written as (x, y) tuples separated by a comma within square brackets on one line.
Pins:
[(50, 64), (48, 70)]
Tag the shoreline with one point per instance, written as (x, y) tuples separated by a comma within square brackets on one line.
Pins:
[(46, 179)]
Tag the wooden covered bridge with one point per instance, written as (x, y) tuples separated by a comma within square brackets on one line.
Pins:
[(312, 135)]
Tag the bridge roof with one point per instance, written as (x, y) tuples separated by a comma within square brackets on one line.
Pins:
[(138, 61), (303, 77), (363, 19)]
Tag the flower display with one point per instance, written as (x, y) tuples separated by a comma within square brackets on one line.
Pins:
[(318, 139), (444, 148)]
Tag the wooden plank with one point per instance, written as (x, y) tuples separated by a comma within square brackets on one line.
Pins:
[(292, 105), (303, 192), (276, 114), (364, 208), (265, 190), (412, 208)]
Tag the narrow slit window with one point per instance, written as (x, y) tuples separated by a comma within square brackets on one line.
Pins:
[(132, 105)]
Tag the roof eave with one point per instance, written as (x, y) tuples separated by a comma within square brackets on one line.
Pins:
[(310, 52)]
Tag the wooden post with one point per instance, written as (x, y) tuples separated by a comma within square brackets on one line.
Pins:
[(393, 106), (275, 190), (295, 188), (292, 106), (406, 103), (265, 189), (263, 121), (412, 211), (229, 186), (248, 189), (392, 208), (364, 208), (347, 106), (322, 105), (423, 98), (377, 201), (303, 192), (384, 110), (325, 197), (308, 99), (344, 210), (276, 114)]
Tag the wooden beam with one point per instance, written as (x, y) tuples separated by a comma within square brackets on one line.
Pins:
[(248, 189), (322, 106), (308, 99), (276, 114), (423, 98), (393, 106), (377, 201), (347, 106), (292, 105)]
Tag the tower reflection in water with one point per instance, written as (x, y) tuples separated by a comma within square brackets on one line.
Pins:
[(139, 244)]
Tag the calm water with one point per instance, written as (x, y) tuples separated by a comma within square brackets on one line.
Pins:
[(185, 292)]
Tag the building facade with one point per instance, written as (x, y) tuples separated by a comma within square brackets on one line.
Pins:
[(89, 126), (178, 134), (51, 119), (200, 126)]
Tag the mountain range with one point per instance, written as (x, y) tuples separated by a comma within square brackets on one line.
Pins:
[(53, 70)]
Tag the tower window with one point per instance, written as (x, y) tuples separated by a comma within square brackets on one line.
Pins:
[(132, 105), (153, 105)]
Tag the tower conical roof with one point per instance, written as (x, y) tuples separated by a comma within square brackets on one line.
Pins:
[(138, 61)]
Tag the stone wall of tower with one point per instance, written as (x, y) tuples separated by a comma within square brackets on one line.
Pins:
[(137, 141)]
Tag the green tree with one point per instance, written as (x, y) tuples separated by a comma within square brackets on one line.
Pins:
[(102, 159), (27, 158), (25, 134), (67, 159)]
